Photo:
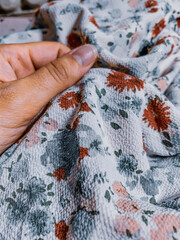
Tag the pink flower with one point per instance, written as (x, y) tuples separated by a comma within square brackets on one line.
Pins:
[(133, 3), (123, 223), (32, 140), (162, 84), (119, 189), (51, 125), (127, 206)]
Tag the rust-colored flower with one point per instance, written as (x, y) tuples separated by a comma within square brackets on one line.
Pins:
[(157, 115), (158, 28), (172, 47), (151, 3), (85, 107), (69, 99), (59, 173), (178, 22), (119, 81), (93, 21), (74, 40), (61, 230), (153, 10), (75, 124), (162, 40), (83, 152), (51, 3)]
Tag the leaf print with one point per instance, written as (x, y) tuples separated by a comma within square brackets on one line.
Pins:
[(115, 126), (167, 143), (157, 115), (119, 81), (166, 135), (107, 195), (123, 113)]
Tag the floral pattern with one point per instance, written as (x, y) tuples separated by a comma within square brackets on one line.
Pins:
[(103, 160)]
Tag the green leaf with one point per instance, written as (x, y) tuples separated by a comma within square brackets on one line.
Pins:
[(139, 171), (148, 212), (105, 107), (10, 201), (49, 187), (128, 98), (2, 188), (98, 92), (49, 174), (166, 135), (103, 91), (174, 228), (43, 140), (19, 157), (107, 195), (94, 212), (129, 35), (118, 153), (44, 134), (110, 44), (14, 194), (50, 194), (167, 143), (152, 200), (115, 126), (48, 203), (144, 219), (123, 113)]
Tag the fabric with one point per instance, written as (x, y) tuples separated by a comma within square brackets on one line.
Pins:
[(103, 162)]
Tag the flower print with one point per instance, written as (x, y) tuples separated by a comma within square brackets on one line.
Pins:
[(62, 150), (83, 152), (38, 222), (119, 81), (157, 115), (178, 22), (61, 230), (85, 107), (59, 173), (32, 137), (151, 3), (126, 164), (74, 40), (119, 189), (136, 105), (166, 224), (35, 191), (93, 21), (133, 3), (127, 206), (123, 223), (82, 224), (158, 28), (51, 125), (162, 84), (69, 100), (20, 169), (149, 185)]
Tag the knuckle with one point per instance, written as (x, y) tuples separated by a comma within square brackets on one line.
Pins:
[(59, 72)]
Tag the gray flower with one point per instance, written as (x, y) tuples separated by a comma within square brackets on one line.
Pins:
[(82, 225), (126, 164)]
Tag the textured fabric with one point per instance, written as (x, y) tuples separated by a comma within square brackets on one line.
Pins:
[(103, 162)]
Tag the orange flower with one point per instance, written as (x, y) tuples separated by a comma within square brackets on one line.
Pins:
[(51, 3), (83, 152), (158, 28), (59, 173), (119, 189), (157, 115), (69, 99), (93, 21), (75, 124), (74, 40), (172, 47), (85, 107), (127, 206), (61, 230), (119, 81), (151, 3), (153, 10), (178, 22)]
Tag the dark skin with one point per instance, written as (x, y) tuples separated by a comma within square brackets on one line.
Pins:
[(30, 76)]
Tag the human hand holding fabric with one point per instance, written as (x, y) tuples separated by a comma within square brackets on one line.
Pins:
[(30, 76)]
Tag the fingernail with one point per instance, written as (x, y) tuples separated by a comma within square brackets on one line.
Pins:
[(85, 54)]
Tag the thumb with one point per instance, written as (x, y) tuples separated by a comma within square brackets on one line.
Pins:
[(36, 90)]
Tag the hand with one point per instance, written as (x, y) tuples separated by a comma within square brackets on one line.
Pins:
[(30, 76)]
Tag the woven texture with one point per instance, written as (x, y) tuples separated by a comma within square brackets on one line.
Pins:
[(103, 162)]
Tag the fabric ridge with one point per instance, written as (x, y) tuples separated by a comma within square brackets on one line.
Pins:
[(103, 162)]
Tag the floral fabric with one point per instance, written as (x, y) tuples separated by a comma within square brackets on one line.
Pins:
[(103, 162)]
